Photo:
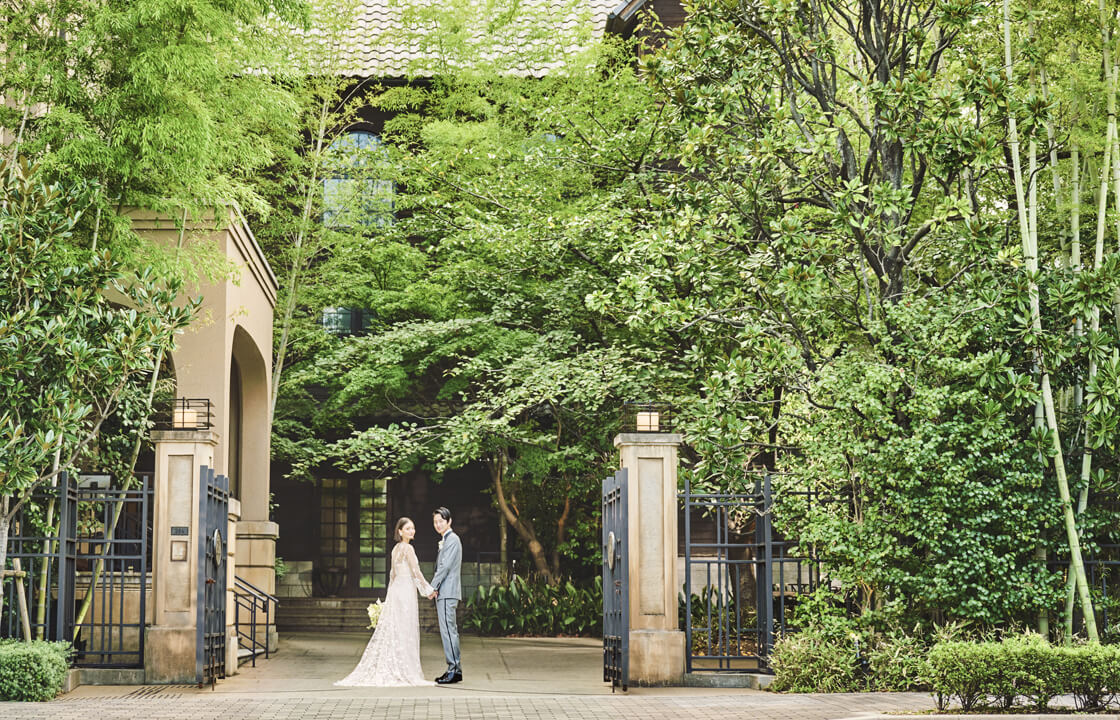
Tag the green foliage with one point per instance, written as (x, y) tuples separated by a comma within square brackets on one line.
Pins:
[(1027, 668), (481, 347), (814, 266), (831, 258), (76, 328), (829, 651), (149, 99), (32, 672), (814, 661), (536, 608)]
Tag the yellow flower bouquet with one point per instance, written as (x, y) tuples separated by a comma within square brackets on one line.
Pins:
[(374, 612)]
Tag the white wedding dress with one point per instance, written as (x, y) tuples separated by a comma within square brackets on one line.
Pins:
[(392, 657)]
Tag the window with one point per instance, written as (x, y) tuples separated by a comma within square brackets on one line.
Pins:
[(346, 321), (355, 191)]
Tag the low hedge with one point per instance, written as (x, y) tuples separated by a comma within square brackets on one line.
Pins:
[(1027, 669), (32, 671)]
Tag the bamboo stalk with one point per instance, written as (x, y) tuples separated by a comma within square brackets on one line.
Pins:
[(1030, 254), (21, 597)]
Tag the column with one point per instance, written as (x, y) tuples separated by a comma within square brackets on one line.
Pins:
[(233, 516), (256, 563), (169, 651), (657, 645)]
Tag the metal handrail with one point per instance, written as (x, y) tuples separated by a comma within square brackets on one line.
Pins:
[(251, 598), (254, 590)]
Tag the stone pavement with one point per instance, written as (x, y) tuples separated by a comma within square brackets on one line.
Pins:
[(505, 679)]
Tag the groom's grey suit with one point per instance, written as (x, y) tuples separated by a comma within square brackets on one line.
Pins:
[(448, 584)]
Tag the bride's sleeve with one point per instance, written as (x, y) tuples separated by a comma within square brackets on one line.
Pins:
[(417, 576), (392, 565)]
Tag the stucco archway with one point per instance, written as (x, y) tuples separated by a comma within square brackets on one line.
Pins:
[(248, 441)]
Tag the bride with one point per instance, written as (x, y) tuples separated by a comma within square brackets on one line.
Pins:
[(392, 656)]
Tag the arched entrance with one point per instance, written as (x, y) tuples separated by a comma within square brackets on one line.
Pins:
[(247, 429)]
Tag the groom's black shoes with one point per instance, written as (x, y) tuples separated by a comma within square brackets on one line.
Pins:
[(442, 679), (449, 677)]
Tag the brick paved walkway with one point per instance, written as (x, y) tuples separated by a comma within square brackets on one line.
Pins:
[(178, 703), (505, 679)]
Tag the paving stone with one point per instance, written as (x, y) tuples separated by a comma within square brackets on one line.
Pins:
[(518, 679)]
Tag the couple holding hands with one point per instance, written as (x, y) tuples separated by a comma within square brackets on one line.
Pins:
[(392, 657)]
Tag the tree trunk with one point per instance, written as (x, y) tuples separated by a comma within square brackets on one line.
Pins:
[(21, 597), (561, 531), (503, 541), (41, 598), (297, 261), (5, 523), (523, 528)]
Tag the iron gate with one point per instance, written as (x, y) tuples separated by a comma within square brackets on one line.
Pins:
[(616, 578), (213, 521), (747, 577), (85, 576)]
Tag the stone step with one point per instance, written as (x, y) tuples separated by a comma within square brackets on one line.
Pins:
[(337, 615)]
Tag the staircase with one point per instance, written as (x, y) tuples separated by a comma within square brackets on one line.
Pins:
[(254, 615), (338, 614)]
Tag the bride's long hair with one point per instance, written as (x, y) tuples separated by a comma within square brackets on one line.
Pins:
[(400, 524)]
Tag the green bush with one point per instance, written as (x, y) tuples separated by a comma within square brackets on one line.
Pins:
[(32, 671), (814, 661), (535, 608), (897, 662), (1091, 673), (1025, 667)]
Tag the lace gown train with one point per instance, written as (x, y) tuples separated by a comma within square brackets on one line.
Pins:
[(392, 656)]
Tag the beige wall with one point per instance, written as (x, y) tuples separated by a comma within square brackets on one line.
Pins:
[(235, 320)]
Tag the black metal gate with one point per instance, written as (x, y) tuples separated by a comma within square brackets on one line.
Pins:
[(616, 579), (747, 577), (213, 521), (84, 576)]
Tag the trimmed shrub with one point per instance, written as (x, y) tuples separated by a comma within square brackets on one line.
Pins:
[(32, 671), (1091, 673), (1025, 667), (953, 667)]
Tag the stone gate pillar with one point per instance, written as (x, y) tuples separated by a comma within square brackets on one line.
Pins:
[(169, 648), (657, 645)]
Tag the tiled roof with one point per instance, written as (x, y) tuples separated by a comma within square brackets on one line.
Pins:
[(397, 38)]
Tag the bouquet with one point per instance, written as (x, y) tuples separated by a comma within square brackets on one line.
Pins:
[(374, 612)]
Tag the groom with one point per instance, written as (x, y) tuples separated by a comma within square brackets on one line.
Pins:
[(447, 593)]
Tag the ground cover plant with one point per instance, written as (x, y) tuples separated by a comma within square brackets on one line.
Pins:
[(535, 608)]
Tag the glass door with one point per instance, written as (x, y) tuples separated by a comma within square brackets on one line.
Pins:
[(373, 535), (353, 536), (334, 536)]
